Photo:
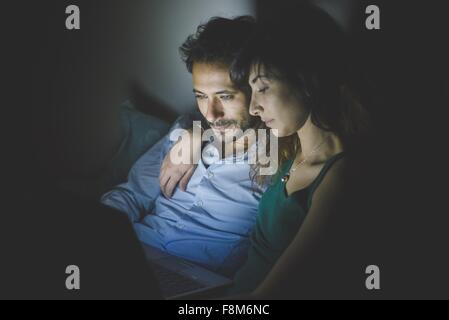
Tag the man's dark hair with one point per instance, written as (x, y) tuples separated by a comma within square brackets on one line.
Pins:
[(220, 40)]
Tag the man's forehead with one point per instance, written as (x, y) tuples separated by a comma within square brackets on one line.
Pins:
[(212, 77)]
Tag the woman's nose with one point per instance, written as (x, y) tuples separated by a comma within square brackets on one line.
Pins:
[(254, 107)]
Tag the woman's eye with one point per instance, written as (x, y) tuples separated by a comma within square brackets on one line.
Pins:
[(262, 90), (227, 97)]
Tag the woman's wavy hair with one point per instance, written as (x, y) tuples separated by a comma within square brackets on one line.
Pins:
[(312, 55)]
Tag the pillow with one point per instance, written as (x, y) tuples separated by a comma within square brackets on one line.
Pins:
[(141, 132)]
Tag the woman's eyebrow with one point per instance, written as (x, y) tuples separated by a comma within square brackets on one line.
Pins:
[(259, 76)]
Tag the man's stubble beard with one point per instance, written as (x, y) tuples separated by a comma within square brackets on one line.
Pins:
[(230, 133)]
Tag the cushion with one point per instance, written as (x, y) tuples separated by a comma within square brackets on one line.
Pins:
[(140, 132)]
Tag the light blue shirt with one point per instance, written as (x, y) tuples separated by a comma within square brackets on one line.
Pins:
[(208, 224)]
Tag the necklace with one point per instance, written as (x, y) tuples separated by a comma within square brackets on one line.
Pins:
[(285, 178)]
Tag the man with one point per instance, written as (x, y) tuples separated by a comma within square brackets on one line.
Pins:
[(208, 220)]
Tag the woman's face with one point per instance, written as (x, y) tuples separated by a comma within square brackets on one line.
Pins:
[(276, 103)]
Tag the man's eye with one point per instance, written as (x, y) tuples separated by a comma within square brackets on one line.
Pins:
[(227, 97), (263, 90), (200, 97)]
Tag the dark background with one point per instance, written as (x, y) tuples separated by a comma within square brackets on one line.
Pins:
[(61, 94)]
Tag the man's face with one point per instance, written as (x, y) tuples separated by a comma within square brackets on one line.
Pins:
[(223, 105)]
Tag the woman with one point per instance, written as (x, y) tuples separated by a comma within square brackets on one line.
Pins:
[(300, 89)]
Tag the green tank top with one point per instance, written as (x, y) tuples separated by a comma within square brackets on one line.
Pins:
[(279, 219)]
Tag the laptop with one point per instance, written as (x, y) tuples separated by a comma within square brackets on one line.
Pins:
[(179, 278), (114, 264), (176, 278)]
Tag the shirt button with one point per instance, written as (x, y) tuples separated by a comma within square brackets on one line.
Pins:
[(199, 203), (210, 175)]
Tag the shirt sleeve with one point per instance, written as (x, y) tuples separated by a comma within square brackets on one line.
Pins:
[(137, 196)]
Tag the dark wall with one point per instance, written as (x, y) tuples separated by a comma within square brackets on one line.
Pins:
[(123, 50)]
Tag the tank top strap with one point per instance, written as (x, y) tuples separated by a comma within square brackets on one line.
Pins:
[(329, 163)]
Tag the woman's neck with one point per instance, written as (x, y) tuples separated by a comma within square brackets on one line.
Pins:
[(317, 144)]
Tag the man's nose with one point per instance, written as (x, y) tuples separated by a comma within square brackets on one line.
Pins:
[(214, 110)]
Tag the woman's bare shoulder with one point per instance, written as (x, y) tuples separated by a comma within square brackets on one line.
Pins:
[(334, 178)]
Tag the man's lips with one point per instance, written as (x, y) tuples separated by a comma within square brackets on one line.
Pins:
[(223, 128), (220, 128)]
